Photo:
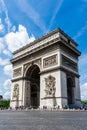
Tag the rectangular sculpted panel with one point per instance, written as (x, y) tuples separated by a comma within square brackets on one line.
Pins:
[(50, 61), (17, 72)]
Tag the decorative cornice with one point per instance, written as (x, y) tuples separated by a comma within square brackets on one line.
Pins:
[(59, 68), (15, 100), (57, 36), (58, 98), (23, 78), (70, 47), (55, 41), (17, 79), (53, 98), (35, 50), (46, 36)]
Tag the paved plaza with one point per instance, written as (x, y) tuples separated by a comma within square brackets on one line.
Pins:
[(43, 120)]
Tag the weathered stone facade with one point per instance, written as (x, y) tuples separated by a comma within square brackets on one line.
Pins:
[(45, 72)]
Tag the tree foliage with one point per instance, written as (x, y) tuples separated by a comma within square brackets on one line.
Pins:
[(4, 103), (84, 102)]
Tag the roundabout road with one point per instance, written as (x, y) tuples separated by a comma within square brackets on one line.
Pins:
[(43, 120)]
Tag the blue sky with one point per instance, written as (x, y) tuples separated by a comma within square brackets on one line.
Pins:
[(22, 21)]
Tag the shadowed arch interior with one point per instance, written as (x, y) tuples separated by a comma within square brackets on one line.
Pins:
[(70, 90), (34, 77)]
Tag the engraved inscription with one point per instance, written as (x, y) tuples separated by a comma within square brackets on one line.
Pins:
[(50, 61), (50, 86), (17, 72)]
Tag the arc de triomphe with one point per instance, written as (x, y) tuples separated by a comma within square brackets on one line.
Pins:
[(45, 72)]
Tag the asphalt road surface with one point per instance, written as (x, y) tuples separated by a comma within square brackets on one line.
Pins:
[(43, 120)]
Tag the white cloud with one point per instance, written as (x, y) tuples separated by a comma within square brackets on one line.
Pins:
[(81, 31), (2, 48), (7, 20), (7, 52), (8, 70), (7, 84), (7, 95), (15, 40), (13, 29), (3, 61), (84, 91)]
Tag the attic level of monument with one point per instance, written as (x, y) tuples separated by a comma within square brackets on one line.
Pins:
[(45, 72), (57, 36)]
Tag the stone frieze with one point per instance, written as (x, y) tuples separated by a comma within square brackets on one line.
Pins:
[(17, 72), (50, 61)]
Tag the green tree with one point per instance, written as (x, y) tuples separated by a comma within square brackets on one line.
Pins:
[(4, 103), (84, 102)]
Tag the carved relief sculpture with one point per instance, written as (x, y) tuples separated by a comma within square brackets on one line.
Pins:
[(16, 91), (50, 61), (50, 86), (17, 72)]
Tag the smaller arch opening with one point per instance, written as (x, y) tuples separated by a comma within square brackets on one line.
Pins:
[(70, 91)]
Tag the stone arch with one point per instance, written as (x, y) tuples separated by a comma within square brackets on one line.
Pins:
[(28, 66), (33, 77), (70, 90), (32, 68)]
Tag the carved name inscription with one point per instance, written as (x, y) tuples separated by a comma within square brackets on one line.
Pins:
[(17, 72), (50, 86), (50, 61)]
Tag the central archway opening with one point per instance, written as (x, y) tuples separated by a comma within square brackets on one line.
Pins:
[(34, 78)]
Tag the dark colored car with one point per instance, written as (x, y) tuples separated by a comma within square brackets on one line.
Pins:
[(76, 106)]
